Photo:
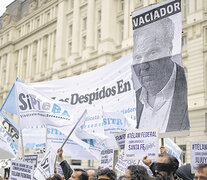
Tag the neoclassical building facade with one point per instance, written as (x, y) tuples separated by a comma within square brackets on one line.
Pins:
[(41, 40)]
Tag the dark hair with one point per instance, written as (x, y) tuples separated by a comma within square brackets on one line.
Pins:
[(138, 172), (55, 177), (108, 172), (201, 167), (83, 176), (172, 161)]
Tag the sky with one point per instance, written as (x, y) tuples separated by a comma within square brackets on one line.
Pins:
[(3, 4)]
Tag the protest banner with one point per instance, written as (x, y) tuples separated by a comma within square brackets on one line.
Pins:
[(35, 108), (108, 88), (140, 143), (8, 148), (198, 154), (21, 170), (45, 168), (120, 140), (107, 158), (11, 127), (122, 164), (31, 158), (113, 123), (34, 137), (157, 32)]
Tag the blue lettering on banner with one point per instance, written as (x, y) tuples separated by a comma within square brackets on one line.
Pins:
[(31, 102)]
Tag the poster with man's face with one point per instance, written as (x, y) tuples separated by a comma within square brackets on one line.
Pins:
[(157, 70)]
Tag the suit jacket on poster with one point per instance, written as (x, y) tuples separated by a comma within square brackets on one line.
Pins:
[(178, 118)]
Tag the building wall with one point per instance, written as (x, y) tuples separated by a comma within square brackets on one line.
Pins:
[(53, 39)]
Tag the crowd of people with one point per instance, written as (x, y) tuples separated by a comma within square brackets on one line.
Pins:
[(166, 167)]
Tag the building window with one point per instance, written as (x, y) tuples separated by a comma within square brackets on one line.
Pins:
[(76, 162), (70, 30), (71, 4), (121, 6), (7, 37), (99, 36), (85, 23), (47, 16), (84, 42), (99, 16), (90, 163), (69, 48), (38, 22), (121, 31), (34, 62), (28, 27), (185, 8), (183, 155), (19, 32), (205, 122), (184, 43)]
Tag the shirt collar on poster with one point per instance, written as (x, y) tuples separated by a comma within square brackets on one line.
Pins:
[(165, 94)]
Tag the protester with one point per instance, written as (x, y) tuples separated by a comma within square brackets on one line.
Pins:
[(184, 172), (137, 172), (106, 174), (91, 174), (55, 177), (123, 178), (67, 171), (165, 166), (79, 174), (201, 172)]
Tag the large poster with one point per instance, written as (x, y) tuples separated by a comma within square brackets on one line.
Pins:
[(158, 73)]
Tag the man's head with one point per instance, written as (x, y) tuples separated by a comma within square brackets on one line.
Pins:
[(106, 174), (136, 172), (166, 165), (201, 172), (91, 174), (152, 50), (79, 174)]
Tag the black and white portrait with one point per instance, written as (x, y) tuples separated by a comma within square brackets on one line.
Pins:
[(161, 98)]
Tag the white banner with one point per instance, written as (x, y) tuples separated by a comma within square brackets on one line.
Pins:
[(122, 164), (35, 108), (113, 123), (140, 143), (31, 158), (120, 140), (107, 158), (199, 154), (45, 168), (21, 170), (7, 146)]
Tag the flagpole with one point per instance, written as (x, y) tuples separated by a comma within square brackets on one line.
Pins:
[(22, 144), (73, 129), (70, 134)]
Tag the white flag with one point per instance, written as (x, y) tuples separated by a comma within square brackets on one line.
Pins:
[(113, 123), (45, 168), (92, 142)]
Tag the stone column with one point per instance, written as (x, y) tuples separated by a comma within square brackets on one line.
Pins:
[(76, 26), (90, 25)]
